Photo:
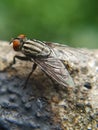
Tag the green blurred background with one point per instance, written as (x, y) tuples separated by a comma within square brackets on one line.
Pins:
[(73, 22)]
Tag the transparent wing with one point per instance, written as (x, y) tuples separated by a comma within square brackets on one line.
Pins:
[(66, 53), (56, 69)]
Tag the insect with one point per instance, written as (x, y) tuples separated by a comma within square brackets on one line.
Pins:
[(43, 55)]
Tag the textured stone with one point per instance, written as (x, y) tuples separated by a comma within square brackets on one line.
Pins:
[(44, 105)]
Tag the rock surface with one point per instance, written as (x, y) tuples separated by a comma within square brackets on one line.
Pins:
[(44, 105)]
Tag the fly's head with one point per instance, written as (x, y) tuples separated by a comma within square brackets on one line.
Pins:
[(18, 42)]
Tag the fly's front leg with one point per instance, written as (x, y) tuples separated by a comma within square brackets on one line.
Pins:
[(14, 61), (33, 69)]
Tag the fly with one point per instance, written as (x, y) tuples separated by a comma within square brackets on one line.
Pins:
[(43, 55)]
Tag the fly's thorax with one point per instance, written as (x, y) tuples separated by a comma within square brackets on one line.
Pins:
[(35, 49)]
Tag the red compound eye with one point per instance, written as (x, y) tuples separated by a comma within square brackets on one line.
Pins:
[(16, 44)]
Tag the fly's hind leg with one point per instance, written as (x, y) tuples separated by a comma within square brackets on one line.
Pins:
[(28, 77)]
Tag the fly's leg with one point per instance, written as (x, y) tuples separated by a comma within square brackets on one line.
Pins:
[(33, 69), (24, 59), (14, 61)]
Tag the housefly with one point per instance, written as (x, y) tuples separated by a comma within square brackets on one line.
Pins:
[(43, 55)]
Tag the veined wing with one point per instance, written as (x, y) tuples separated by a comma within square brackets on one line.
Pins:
[(70, 54), (56, 69)]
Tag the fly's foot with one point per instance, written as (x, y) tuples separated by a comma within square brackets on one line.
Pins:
[(8, 68)]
